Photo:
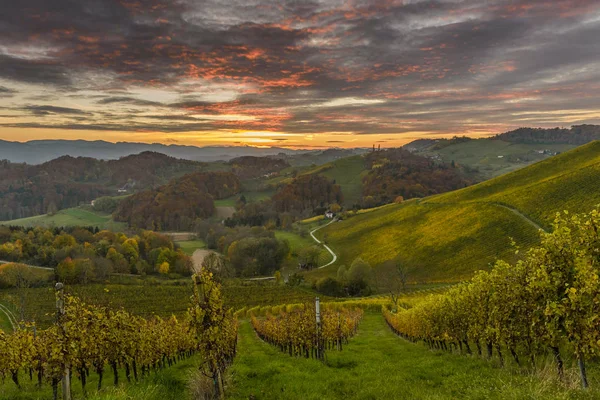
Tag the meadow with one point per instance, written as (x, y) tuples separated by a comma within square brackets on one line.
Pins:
[(78, 216), (190, 246)]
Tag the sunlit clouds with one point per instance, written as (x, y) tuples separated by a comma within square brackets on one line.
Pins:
[(287, 73)]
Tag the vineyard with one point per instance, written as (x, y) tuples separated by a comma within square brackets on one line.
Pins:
[(446, 238), (87, 338), (152, 298), (298, 333), (549, 302)]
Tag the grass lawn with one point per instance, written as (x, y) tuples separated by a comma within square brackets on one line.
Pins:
[(77, 216), (379, 365), (189, 246)]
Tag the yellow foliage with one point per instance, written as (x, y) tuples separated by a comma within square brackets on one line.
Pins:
[(164, 268)]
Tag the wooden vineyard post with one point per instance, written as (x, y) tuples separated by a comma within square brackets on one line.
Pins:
[(320, 348), (60, 312)]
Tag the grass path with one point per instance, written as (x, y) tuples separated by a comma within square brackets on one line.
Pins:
[(8, 321), (378, 365), (520, 214)]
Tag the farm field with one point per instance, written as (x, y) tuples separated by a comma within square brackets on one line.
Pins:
[(376, 364), (78, 216), (449, 236)]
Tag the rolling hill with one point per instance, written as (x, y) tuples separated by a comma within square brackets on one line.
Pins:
[(506, 152), (445, 238), (39, 151), (346, 172), (77, 216)]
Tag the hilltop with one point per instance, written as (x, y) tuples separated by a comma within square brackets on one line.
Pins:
[(449, 236), (506, 152), (29, 190), (40, 151)]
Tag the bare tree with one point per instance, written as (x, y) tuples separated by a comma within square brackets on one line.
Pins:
[(401, 279)]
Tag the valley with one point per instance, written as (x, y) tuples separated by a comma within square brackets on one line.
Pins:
[(402, 230)]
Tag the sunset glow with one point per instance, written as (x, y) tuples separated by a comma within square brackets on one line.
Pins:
[(295, 74)]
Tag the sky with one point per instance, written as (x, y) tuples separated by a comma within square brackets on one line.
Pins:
[(315, 73)]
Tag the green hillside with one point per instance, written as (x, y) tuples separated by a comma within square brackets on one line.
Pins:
[(569, 181), (346, 172), (77, 216), (447, 237), (493, 157)]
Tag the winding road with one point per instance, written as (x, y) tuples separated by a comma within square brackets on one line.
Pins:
[(324, 245)]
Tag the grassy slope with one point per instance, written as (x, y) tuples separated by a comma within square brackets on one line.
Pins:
[(483, 154), (376, 364), (348, 173), (447, 237), (70, 217), (569, 181)]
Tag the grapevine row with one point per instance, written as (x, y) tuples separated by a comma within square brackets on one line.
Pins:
[(547, 302), (295, 332), (89, 338)]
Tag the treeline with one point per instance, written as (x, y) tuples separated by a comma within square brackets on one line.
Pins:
[(549, 302), (307, 192), (27, 190), (398, 172), (177, 205), (248, 251), (577, 135), (81, 255), (353, 281), (305, 196), (249, 167)]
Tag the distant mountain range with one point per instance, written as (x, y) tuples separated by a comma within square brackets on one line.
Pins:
[(40, 151)]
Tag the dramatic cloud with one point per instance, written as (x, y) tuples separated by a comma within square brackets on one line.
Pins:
[(309, 72)]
